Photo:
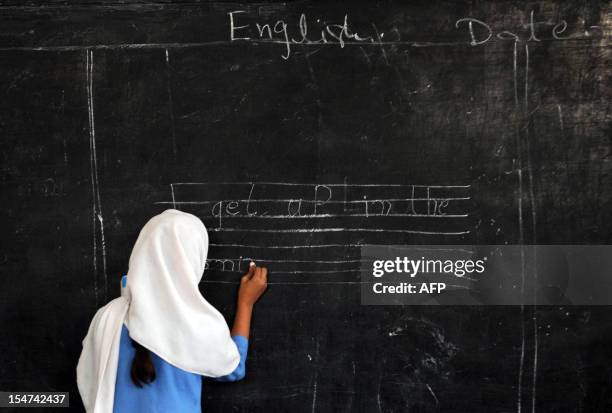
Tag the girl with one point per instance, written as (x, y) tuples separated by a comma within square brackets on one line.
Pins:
[(147, 351)]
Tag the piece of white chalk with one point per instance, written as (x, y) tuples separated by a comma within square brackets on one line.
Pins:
[(251, 264)]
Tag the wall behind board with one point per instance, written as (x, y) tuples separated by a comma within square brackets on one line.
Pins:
[(403, 124)]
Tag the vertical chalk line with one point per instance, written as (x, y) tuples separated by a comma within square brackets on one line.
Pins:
[(93, 181), (314, 394), (170, 101), (97, 204), (432, 394), (520, 219), (560, 112), (173, 199), (378, 401), (562, 134), (534, 227), (316, 379)]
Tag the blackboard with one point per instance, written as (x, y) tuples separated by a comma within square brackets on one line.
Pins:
[(492, 117)]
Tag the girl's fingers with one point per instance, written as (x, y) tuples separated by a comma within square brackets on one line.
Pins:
[(262, 275), (259, 274), (252, 269), (250, 273)]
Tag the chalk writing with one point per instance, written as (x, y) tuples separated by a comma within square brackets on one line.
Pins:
[(326, 219), (313, 32), (328, 201), (278, 31), (481, 33)]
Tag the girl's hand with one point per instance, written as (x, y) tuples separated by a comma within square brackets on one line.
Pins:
[(252, 285)]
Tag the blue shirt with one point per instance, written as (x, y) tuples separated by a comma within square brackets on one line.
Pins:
[(173, 390)]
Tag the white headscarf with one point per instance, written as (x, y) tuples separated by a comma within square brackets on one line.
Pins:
[(162, 309)]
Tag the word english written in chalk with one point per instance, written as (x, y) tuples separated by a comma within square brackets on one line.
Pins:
[(278, 32)]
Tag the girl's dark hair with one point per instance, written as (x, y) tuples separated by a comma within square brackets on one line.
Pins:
[(142, 371)]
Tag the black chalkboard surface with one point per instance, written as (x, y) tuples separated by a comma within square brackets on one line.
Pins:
[(298, 132)]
